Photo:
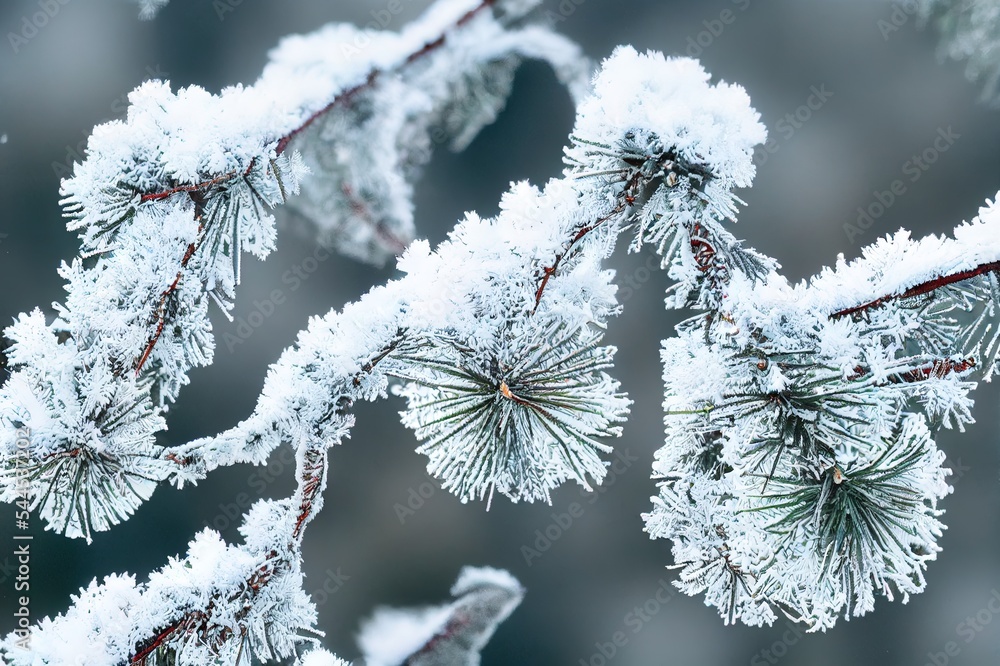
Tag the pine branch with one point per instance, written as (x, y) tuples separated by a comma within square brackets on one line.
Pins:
[(625, 199), (340, 99), (799, 473), (492, 319), (161, 315), (450, 634), (921, 289), (200, 190), (374, 74), (189, 199), (938, 369), (239, 600), (775, 393), (393, 242)]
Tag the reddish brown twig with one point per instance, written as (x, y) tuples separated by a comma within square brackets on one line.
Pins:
[(625, 199), (201, 621), (174, 458), (375, 360), (549, 271), (197, 187), (310, 483), (921, 289), (456, 624), (313, 466), (342, 98), (937, 369), (161, 313), (311, 472), (157, 641), (395, 243), (339, 99), (362, 212), (705, 255), (703, 251), (346, 95)]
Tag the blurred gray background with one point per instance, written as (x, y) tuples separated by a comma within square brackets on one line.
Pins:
[(890, 97)]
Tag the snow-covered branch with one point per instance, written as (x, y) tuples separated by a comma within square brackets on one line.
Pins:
[(496, 333), (169, 199), (799, 474), (452, 633)]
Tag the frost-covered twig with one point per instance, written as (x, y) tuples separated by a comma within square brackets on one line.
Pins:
[(497, 341), (169, 199), (496, 330), (799, 475), (220, 604), (453, 633)]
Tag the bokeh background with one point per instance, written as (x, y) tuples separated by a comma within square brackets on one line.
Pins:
[(890, 98)]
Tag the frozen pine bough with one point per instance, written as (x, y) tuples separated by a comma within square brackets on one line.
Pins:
[(165, 204), (169, 200), (799, 474), (452, 633)]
